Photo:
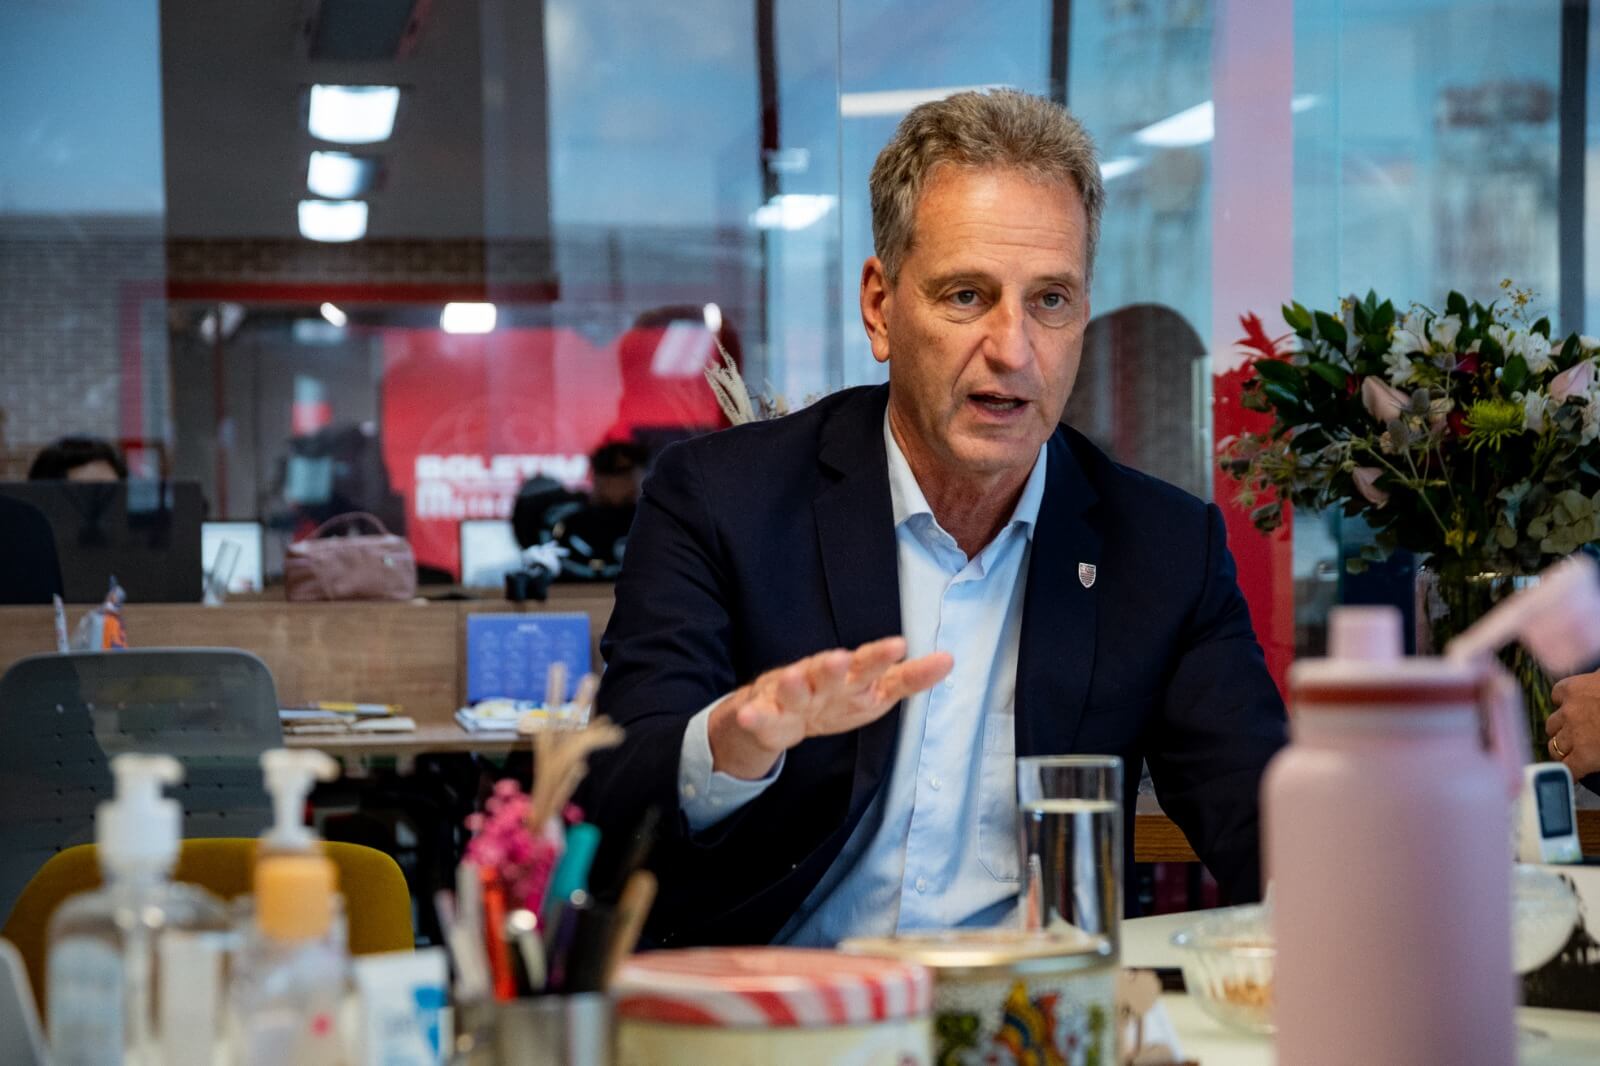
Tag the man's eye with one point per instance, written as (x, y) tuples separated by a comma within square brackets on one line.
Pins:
[(965, 298), (1053, 301)]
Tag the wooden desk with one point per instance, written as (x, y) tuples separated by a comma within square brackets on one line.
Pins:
[(411, 654), (1156, 838), (434, 739)]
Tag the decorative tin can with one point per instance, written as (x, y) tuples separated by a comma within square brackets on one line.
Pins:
[(1003, 996), (774, 1006)]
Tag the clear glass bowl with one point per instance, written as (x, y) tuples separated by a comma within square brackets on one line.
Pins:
[(1228, 955), (1544, 913), (1227, 966)]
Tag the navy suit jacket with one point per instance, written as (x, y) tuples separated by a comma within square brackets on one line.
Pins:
[(759, 545)]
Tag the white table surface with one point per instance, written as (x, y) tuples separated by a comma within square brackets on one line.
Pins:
[(1573, 1036)]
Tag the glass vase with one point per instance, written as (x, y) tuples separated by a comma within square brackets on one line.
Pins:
[(1452, 596)]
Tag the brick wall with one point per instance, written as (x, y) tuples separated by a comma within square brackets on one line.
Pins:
[(81, 301)]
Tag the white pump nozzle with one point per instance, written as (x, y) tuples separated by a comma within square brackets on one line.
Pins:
[(1558, 620), (139, 828), (290, 776)]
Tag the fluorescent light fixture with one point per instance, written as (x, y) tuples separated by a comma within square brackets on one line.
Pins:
[(334, 316), (467, 318), (333, 220), (353, 114), (713, 318), (1112, 169), (1198, 124), (1189, 127), (339, 175), (791, 211), (899, 101)]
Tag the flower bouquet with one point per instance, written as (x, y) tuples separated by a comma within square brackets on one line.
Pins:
[(1467, 436)]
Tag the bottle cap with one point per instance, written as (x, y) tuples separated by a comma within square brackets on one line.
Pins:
[(139, 828), (290, 776), (1370, 634), (294, 896)]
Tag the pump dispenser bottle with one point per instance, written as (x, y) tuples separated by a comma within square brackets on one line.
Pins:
[(293, 970), (135, 967)]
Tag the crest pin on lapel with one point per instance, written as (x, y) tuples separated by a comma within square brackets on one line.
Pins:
[(1086, 573)]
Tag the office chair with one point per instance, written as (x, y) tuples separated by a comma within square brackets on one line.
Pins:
[(62, 718), (377, 902)]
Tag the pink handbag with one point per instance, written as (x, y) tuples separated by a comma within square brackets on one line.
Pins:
[(359, 566)]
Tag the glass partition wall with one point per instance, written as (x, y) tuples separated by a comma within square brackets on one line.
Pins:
[(401, 257)]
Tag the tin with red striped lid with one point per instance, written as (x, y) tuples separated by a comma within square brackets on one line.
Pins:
[(771, 1005)]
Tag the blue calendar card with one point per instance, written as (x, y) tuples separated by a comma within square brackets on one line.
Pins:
[(508, 655)]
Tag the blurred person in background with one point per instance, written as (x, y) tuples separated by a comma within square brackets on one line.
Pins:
[(79, 459)]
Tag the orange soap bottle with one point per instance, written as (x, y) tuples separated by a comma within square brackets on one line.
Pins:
[(293, 972)]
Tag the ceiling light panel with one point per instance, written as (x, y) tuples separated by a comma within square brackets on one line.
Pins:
[(467, 318), (353, 114), (340, 175), (333, 220)]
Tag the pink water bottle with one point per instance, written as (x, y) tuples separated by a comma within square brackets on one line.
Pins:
[(1386, 836)]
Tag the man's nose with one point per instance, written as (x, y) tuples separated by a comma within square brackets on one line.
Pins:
[(1008, 344)]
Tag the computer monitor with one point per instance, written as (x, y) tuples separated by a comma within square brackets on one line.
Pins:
[(489, 551), (245, 567), (146, 533)]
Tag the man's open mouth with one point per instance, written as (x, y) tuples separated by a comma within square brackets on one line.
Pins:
[(994, 401)]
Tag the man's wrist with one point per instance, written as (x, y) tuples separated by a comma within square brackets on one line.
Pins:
[(734, 751)]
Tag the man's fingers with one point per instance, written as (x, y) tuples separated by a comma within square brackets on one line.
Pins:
[(1559, 692), (791, 690), (1553, 724), (869, 662), (825, 673), (914, 675)]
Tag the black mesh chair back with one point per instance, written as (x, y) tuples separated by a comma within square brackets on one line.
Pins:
[(62, 718)]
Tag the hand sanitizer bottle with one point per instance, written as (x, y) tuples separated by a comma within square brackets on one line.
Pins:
[(292, 974), (135, 967)]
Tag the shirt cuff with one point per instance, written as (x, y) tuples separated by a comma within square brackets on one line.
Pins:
[(708, 796)]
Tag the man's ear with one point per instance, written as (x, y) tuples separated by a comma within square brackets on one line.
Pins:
[(877, 303)]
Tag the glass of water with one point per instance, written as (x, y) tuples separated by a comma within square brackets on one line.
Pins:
[(1071, 821)]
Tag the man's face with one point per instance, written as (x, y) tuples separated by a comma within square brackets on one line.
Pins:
[(983, 330)]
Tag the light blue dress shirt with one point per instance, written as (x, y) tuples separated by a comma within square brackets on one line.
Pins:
[(938, 846)]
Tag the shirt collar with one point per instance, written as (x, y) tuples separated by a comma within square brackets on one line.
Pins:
[(907, 500)]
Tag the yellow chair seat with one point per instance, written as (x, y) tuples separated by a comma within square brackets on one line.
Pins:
[(377, 903)]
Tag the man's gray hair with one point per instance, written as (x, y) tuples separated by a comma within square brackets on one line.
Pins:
[(1001, 128)]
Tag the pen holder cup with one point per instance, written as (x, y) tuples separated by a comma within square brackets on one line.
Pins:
[(539, 1031)]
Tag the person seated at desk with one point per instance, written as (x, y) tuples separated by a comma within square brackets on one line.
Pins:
[(78, 459), (835, 632)]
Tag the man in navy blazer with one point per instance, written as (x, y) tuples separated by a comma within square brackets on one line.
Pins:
[(796, 743)]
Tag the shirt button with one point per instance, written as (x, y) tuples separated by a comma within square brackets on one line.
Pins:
[(935, 783), (688, 792), (922, 884)]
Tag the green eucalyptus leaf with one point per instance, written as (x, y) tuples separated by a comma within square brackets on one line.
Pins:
[(1456, 304), (1297, 317), (1542, 327)]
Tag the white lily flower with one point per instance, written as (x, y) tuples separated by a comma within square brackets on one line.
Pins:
[(1404, 342), (1415, 322), (1588, 343), (1534, 349), (1443, 332), (1400, 368), (1534, 405)]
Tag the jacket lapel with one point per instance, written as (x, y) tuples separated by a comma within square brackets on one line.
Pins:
[(1056, 649), (855, 526)]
